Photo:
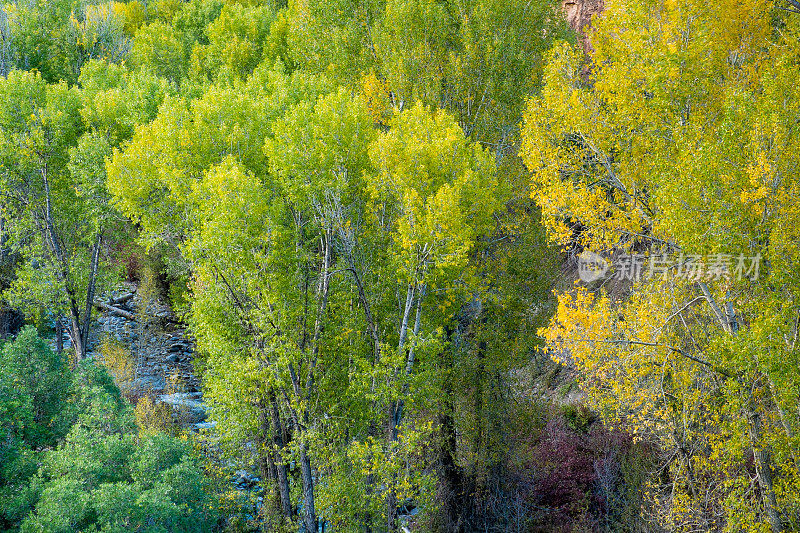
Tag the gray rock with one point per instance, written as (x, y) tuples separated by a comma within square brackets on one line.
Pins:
[(150, 382), (181, 401), (242, 480)]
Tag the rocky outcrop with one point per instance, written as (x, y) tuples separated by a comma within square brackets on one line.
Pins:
[(579, 15), (161, 350), (160, 347)]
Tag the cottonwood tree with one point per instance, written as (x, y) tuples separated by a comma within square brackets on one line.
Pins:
[(54, 143), (52, 223), (433, 194), (204, 188), (678, 142)]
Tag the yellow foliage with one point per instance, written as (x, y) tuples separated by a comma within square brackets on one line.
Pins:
[(681, 139), (117, 359), (377, 98), (153, 417)]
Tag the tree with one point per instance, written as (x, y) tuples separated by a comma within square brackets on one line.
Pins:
[(671, 145), (34, 385), (58, 216), (433, 194), (40, 123)]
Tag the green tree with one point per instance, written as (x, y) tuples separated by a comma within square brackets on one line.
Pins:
[(102, 477), (58, 217), (34, 385), (40, 124)]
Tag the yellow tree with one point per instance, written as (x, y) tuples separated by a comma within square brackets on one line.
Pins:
[(680, 141)]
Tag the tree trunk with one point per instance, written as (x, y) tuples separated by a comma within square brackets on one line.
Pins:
[(323, 286), (400, 405), (280, 443), (62, 270), (763, 469), (59, 335), (116, 311), (75, 331), (266, 459), (451, 477), (90, 289), (3, 240), (396, 410), (309, 511), (730, 324)]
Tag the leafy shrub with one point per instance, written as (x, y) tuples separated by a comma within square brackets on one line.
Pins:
[(578, 417), (153, 417), (585, 474), (34, 385), (117, 359), (70, 458), (102, 477)]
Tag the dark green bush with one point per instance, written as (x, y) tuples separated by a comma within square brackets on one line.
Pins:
[(70, 458)]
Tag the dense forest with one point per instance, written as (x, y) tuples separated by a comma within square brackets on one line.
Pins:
[(399, 266)]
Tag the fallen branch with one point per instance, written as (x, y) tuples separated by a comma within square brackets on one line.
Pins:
[(121, 300), (116, 311), (110, 309)]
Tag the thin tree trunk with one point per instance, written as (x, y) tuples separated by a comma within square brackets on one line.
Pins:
[(3, 240), (761, 456), (451, 476), (306, 473), (62, 270), (412, 287), (396, 410), (75, 331), (266, 459), (90, 289), (309, 510), (787, 428), (763, 471), (372, 329), (322, 294), (391, 497), (279, 440), (59, 335)]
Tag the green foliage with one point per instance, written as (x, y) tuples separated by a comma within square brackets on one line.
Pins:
[(71, 460), (479, 59), (236, 43), (34, 385), (108, 481), (195, 17), (35, 380), (161, 49)]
